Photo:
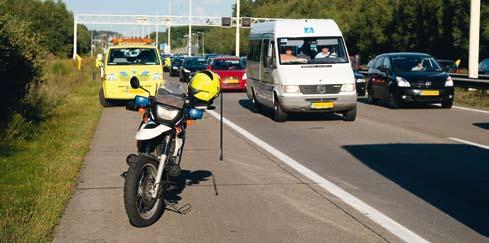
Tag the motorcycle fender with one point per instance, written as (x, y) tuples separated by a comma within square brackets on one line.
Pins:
[(149, 130)]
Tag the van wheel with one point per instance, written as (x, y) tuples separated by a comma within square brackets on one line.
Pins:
[(255, 106), (350, 115), (278, 114), (102, 100)]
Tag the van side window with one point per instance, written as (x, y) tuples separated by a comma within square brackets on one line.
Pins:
[(272, 53), (255, 48), (265, 45)]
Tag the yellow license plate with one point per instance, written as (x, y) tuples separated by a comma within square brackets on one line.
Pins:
[(430, 93), (231, 81), (322, 105), (135, 91)]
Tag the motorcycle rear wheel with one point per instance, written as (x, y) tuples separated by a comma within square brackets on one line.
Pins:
[(142, 210)]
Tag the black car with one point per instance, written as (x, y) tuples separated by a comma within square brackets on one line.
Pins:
[(190, 66), (360, 83), (176, 62), (406, 77), (449, 66), (484, 67)]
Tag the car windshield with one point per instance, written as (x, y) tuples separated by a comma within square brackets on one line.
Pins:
[(415, 64), (194, 62), (133, 56), (312, 50), (227, 65), (176, 61)]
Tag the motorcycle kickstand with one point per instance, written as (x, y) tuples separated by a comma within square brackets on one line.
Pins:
[(185, 209)]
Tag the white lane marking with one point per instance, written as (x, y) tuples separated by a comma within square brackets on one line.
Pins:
[(383, 220), (469, 143), (470, 109)]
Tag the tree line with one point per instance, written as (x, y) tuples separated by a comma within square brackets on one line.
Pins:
[(30, 31), (438, 27)]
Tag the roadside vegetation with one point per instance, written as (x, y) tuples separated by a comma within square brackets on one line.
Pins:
[(48, 113), (476, 98)]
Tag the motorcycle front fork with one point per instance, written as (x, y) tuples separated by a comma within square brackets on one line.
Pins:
[(163, 159)]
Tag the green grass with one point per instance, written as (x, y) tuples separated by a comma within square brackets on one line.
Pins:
[(38, 173), (476, 98)]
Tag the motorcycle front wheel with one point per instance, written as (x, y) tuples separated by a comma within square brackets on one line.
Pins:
[(141, 208)]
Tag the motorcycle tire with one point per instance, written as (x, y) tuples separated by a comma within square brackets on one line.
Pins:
[(142, 210)]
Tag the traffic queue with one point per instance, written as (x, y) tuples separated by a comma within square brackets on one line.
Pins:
[(292, 66)]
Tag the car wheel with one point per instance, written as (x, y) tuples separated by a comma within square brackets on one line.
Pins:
[(350, 115), (393, 102), (447, 104), (103, 102), (370, 98), (278, 114), (255, 106)]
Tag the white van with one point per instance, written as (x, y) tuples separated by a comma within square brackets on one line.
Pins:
[(300, 66)]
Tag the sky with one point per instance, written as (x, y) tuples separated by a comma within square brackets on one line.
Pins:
[(217, 8)]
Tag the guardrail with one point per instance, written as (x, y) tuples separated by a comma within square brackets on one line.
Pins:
[(463, 81)]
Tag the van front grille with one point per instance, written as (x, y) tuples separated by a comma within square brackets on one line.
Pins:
[(320, 89)]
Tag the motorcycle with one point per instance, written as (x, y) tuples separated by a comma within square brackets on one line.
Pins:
[(160, 141)]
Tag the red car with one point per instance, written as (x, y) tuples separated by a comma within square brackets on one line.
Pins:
[(232, 72)]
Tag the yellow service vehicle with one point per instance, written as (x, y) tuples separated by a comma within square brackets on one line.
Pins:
[(129, 58)]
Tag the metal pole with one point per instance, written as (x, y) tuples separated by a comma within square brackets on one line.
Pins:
[(91, 44), (75, 30), (157, 45), (169, 26), (237, 27), (190, 29), (475, 8), (203, 43), (221, 131)]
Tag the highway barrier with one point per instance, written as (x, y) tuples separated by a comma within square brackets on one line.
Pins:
[(463, 81)]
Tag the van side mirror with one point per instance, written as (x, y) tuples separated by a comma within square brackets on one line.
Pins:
[(135, 83)]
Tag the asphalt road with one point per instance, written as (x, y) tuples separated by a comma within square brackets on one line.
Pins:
[(404, 163), (400, 162)]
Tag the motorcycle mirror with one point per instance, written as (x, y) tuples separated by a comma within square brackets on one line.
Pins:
[(135, 83)]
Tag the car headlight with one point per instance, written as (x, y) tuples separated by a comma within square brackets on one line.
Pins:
[(166, 113), (401, 82), (360, 80), (186, 70), (110, 77), (244, 77), (449, 82), (175, 68), (291, 89), (347, 87), (157, 76)]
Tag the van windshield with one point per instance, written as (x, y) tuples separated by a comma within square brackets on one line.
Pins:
[(311, 50), (133, 56)]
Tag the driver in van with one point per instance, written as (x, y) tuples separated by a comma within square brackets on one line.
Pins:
[(325, 53)]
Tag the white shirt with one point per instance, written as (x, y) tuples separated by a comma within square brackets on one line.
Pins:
[(325, 55)]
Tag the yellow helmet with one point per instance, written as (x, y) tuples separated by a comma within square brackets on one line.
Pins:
[(204, 86)]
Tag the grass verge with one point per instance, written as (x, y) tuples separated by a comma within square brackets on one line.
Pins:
[(476, 98), (38, 174)]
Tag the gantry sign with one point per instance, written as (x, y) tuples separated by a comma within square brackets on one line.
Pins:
[(164, 21)]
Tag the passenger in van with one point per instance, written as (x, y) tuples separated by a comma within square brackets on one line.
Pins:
[(289, 56), (325, 53)]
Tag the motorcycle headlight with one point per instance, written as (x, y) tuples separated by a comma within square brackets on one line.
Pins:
[(347, 87), (401, 82), (111, 77), (449, 82), (166, 113), (157, 76)]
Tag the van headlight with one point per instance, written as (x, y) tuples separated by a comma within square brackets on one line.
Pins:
[(401, 82), (157, 76), (111, 77), (449, 82), (291, 89), (166, 113), (347, 87)]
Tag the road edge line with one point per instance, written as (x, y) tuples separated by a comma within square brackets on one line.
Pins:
[(373, 214), (469, 143), (470, 109)]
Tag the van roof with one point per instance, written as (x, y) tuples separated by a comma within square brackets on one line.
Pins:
[(298, 28)]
